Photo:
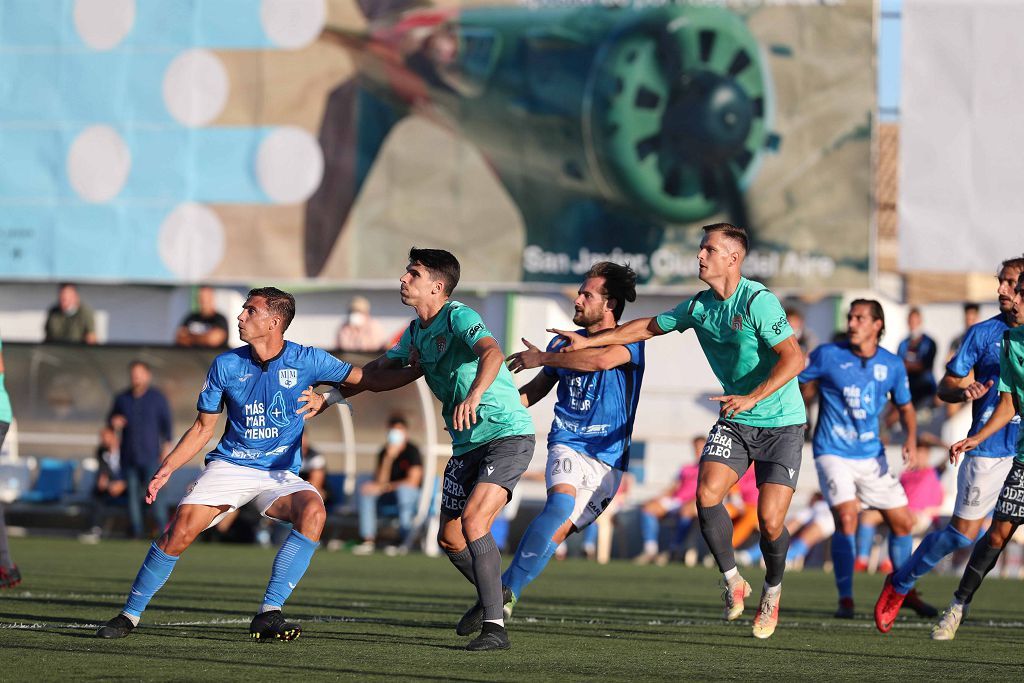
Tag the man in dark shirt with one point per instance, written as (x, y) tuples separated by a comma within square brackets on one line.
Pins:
[(396, 480), (918, 354), (143, 416), (205, 328)]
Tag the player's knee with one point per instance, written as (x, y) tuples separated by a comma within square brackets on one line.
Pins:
[(176, 539), (770, 528), (449, 545), (847, 522), (997, 537), (708, 496), (474, 527)]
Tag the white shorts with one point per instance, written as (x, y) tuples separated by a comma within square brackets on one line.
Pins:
[(594, 481), (223, 483), (865, 479), (978, 483)]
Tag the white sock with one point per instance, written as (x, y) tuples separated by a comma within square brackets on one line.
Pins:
[(650, 547), (773, 590), (499, 622), (269, 608), (132, 618), (731, 573)]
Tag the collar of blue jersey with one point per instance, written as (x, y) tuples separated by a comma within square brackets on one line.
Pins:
[(264, 364)]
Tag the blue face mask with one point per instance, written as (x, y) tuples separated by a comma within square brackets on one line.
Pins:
[(396, 437)]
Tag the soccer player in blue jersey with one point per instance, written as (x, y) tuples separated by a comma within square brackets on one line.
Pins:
[(743, 331), (492, 433), (257, 458), (970, 376), (854, 379), (588, 445)]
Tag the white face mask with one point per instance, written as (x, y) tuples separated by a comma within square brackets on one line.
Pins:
[(356, 318), (396, 437)]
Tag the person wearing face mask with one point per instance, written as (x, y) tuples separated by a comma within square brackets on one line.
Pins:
[(360, 331), (396, 480), (918, 354)]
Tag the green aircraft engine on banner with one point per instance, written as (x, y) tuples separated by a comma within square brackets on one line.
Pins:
[(605, 124)]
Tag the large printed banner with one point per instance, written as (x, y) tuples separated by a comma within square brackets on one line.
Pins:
[(312, 140), (960, 204)]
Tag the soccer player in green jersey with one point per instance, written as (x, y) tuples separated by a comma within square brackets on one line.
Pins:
[(1009, 510), (492, 433), (743, 331)]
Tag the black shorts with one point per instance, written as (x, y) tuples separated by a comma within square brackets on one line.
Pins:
[(1010, 506), (500, 462), (775, 451)]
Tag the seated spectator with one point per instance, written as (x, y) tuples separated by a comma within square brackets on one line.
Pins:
[(679, 499), (396, 480), (110, 484), (360, 331), (205, 328), (70, 321)]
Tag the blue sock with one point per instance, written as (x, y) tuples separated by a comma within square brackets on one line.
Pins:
[(933, 548), (865, 539), (842, 563), (649, 527), (290, 564), (536, 547), (152, 575), (899, 549), (797, 549)]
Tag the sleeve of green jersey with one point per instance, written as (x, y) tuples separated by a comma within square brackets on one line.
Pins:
[(678, 319), (400, 351), (468, 326), (769, 318)]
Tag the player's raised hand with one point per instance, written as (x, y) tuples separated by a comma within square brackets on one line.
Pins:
[(574, 340), (157, 483), (312, 404), (961, 447), (975, 390), (464, 416), (733, 405), (525, 360)]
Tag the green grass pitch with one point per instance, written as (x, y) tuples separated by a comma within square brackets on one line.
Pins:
[(380, 618)]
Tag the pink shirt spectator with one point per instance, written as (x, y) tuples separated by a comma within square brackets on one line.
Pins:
[(686, 489), (924, 490)]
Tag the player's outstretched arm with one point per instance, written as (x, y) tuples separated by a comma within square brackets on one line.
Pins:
[(953, 389), (491, 358), (789, 365), (587, 360), (1001, 416), (191, 442), (640, 329), (536, 389)]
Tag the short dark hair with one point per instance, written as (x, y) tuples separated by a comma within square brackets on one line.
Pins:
[(278, 302), (1015, 262), (971, 306), (877, 312), (732, 231), (619, 283), (442, 265), (140, 362), (397, 419)]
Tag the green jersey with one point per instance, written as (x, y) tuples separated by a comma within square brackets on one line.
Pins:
[(1011, 375), (737, 336), (449, 364), (5, 403)]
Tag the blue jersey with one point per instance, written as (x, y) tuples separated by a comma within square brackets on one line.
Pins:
[(853, 392), (980, 352), (263, 430), (594, 411)]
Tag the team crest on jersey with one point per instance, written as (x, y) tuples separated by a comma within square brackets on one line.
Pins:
[(737, 322), (288, 377), (442, 344), (881, 373)]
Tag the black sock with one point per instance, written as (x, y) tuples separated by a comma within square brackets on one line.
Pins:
[(716, 527), (775, 557), (490, 626), (463, 561), (487, 571), (983, 558)]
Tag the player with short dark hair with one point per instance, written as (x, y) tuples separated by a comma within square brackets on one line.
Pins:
[(970, 376), (743, 331), (853, 379), (257, 458), (589, 441)]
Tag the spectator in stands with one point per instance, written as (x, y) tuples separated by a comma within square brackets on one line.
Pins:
[(205, 328), (396, 480), (807, 340), (70, 321), (360, 331), (918, 354), (110, 484), (972, 313), (679, 499), (9, 574), (143, 417)]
